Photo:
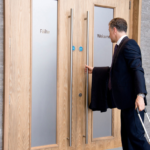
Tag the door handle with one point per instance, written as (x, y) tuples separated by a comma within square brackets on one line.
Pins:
[(148, 138), (87, 78), (71, 39)]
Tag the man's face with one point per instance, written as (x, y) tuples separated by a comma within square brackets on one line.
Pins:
[(112, 34)]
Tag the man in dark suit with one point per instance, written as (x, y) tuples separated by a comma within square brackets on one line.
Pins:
[(127, 85)]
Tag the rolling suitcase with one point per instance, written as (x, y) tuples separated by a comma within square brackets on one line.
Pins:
[(143, 123)]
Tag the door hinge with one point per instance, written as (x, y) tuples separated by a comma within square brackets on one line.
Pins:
[(130, 4)]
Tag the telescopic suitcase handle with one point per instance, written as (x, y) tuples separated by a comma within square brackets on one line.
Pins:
[(143, 123)]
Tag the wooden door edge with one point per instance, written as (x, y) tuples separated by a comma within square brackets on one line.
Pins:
[(6, 6)]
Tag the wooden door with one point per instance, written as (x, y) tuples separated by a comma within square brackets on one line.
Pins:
[(121, 9), (18, 102)]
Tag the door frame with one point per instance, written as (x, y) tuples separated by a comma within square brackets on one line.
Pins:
[(113, 115), (134, 30)]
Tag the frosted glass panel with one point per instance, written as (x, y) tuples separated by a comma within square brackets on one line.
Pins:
[(102, 122), (44, 72)]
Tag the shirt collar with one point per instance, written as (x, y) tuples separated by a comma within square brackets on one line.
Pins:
[(119, 41)]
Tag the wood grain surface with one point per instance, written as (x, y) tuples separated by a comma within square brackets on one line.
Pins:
[(18, 64)]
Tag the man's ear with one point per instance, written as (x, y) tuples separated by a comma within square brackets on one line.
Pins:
[(115, 30)]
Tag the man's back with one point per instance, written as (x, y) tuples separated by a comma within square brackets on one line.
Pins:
[(127, 75)]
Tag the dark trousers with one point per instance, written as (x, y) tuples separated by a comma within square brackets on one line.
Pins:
[(132, 132)]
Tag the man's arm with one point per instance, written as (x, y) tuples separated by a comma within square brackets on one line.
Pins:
[(133, 58)]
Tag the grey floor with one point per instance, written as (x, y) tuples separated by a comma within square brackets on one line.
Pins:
[(120, 148)]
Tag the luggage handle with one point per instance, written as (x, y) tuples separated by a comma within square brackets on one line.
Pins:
[(143, 123)]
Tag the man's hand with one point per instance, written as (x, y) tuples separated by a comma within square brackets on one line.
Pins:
[(90, 69), (140, 103)]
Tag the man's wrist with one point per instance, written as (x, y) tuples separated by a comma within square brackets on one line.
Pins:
[(141, 94)]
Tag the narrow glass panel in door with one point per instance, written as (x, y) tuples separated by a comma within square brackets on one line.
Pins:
[(44, 72), (102, 122)]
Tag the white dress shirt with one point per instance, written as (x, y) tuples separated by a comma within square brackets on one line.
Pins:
[(119, 41)]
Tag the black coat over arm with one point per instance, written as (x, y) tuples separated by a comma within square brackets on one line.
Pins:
[(100, 95)]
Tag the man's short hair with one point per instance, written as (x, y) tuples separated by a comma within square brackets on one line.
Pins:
[(119, 23)]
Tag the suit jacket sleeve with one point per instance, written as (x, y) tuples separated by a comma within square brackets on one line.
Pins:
[(132, 55)]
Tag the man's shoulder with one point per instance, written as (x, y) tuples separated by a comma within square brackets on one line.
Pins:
[(131, 45), (131, 42)]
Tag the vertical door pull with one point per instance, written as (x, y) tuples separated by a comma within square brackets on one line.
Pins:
[(71, 39), (87, 78)]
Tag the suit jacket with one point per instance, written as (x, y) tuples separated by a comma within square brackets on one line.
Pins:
[(127, 74), (127, 79)]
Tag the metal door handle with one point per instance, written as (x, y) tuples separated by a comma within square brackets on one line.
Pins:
[(71, 39), (143, 123), (87, 78)]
